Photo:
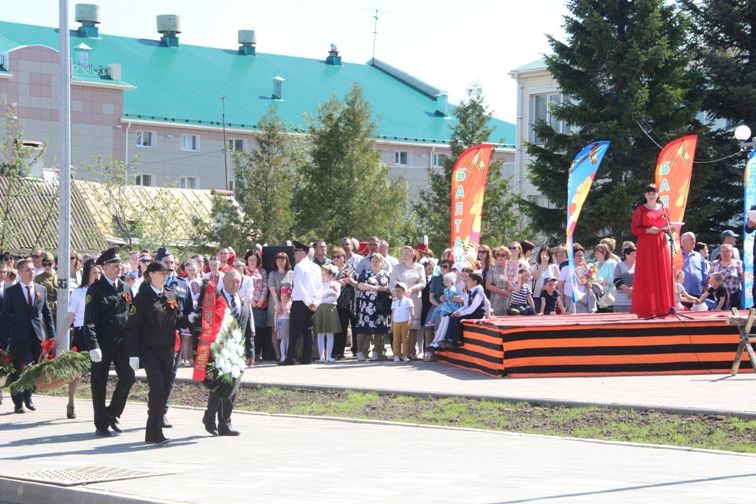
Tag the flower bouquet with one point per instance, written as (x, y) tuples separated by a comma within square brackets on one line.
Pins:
[(51, 372), (220, 360), (6, 366)]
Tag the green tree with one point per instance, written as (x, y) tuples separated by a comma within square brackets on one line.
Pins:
[(723, 43), (265, 178), (623, 69), (227, 226), (344, 188), (16, 161), (434, 203)]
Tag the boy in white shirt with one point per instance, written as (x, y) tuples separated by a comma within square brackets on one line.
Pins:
[(402, 311)]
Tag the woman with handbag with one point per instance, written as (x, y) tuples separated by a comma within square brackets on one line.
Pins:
[(347, 277), (605, 265), (374, 308)]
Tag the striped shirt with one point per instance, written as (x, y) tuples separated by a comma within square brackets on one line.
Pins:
[(520, 297)]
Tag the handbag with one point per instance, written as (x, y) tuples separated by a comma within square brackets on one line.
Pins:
[(383, 303)]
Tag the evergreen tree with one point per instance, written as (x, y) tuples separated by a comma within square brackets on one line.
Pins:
[(345, 189), (623, 69), (434, 203), (723, 42), (264, 180)]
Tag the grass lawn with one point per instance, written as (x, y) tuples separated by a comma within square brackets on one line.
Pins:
[(699, 431)]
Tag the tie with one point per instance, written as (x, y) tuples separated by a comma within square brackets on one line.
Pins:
[(234, 307), (29, 296)]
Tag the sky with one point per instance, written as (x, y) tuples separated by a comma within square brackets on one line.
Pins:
[(449, 44)]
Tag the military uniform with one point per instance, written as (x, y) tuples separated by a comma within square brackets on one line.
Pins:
[(151, 336), (105, 313)]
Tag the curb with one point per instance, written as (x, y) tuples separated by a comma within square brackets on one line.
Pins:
[(537, 401), (29, 492)]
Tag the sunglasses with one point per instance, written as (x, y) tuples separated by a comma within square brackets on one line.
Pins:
[(337, 256), (444, 266), (482, 252), (501, 255), (513, 248), (35, 256), (144, 260), (46, 263)]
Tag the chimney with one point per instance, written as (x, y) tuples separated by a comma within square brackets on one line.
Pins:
[(82, 54), (114, 71), (442, 100), (333, 56), (278, 87), (89, 17), (247, 42), (169, 25)]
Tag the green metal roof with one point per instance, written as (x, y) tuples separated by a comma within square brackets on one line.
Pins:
[(184, 85), (533, 65)]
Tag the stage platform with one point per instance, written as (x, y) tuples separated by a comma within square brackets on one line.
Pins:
[(598, 345)]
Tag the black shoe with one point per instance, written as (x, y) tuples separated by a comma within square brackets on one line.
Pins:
[(209, 424), (19, 409), (227, 430), (157, 441), (70, 412), (103, 432), (29, 405), (287, 362), (166, 423), (115, 424)]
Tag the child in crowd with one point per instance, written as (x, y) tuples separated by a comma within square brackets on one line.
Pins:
[(715, 297), (402, 311), (521, 300), (682, 294), (449, 306), (550, 297), (473, 308), (326, 316), (283, 308)]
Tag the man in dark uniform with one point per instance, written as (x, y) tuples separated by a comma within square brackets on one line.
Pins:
[(25, 321), (105, 313), (151, 338), (184, 298), (217, 404)]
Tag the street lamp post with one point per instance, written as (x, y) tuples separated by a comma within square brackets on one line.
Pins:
[(64, 174)]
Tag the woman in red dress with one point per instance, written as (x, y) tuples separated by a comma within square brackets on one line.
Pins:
[(653, 291)]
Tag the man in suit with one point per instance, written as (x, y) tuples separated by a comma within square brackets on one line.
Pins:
[(105, 313), (218, 405), (25, 321)]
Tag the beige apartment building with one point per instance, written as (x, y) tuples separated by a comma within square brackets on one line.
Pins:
[(157, 103)]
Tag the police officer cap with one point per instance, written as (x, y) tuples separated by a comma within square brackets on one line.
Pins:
[(301, 246), (109, 256), (157, 267), (162, 252)]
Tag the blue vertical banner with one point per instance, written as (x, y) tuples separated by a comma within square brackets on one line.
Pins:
[(749, 200), (582, 172)]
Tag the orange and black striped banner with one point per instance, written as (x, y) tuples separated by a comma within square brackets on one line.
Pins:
[(597, 345)]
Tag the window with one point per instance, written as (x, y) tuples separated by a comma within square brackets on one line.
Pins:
[(143, 180), (401, 158), (190, 143), (541, 111), (236, 145), (144, 139), (188, 183), (439, 159)]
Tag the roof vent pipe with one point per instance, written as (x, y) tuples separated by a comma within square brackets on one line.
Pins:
[(442, 102), (247, 42), (278, 87), (333, 56), (169, 25), (89, 17)]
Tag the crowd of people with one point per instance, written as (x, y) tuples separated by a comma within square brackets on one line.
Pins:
[(309, 304)]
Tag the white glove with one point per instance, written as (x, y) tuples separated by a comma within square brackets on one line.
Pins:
[(95, 355), (134, 363), (192, 317)]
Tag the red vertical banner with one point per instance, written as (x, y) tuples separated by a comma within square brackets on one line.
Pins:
[(468, 186), (674, 170)]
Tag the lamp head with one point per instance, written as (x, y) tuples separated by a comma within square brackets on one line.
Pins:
[(742, 133)]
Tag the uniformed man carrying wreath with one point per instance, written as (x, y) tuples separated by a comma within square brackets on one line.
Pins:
[(150, 331), (105, 313)]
